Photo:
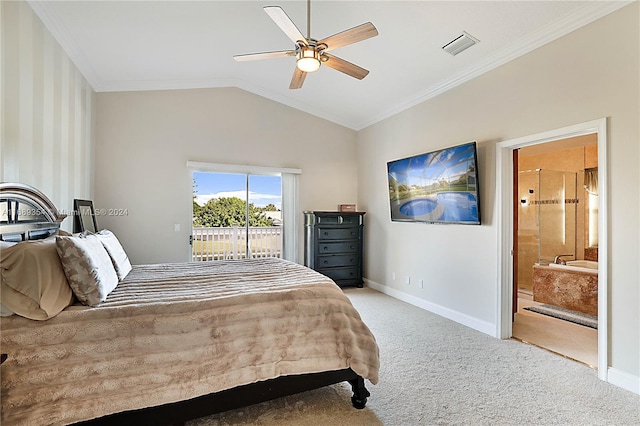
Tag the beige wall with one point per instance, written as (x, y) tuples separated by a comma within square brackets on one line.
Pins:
[(47, 112), (580, 77), (144, 140)]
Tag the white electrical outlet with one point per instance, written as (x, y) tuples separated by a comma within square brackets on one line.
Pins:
[(393, 276), (421, 283), (407, 280), (176, 227)]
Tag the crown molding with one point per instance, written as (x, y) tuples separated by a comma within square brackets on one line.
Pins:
[(293, 103), (543, 36), (594, 11), (148, 85), (60, 32)]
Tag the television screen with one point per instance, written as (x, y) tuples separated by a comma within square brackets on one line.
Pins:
[(436, 187)]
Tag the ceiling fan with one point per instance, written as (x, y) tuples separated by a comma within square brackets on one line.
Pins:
[(311, 53)]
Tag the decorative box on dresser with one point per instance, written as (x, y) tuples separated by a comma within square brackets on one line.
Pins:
[(333, 245)]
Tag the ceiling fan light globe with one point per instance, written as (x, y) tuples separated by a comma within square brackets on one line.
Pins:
[(308, 64), (308, 59)]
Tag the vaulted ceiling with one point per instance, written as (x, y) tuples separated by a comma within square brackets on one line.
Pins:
[(156, 45)]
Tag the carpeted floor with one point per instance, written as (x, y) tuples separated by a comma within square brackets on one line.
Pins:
[(437, 372)]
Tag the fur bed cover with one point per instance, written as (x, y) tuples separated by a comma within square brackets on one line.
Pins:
[(172, 332)]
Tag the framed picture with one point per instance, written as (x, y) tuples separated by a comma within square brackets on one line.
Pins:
[(84, 218)]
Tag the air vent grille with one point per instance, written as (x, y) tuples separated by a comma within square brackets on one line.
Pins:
[(460, 43)]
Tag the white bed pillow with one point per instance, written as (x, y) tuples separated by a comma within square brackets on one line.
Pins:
[(118, 256), (88, 267)]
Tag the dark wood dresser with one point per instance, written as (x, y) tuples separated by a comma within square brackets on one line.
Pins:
[(333, 245)]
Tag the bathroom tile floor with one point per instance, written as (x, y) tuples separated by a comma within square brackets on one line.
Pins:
[(571, 340)]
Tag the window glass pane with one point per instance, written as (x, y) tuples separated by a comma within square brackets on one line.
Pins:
[(265, 210), (219, 216), (220, 226)]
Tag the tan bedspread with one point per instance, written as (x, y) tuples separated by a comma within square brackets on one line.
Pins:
[(172, 332)]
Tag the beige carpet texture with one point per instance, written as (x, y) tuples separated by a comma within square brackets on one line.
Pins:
[(437, 372)]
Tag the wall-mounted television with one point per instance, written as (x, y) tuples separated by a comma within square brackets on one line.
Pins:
[(436, 187)]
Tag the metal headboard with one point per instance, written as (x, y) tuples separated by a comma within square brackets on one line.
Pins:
[(26, 213)]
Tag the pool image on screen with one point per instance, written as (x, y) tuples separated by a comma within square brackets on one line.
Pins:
[(436, 187)]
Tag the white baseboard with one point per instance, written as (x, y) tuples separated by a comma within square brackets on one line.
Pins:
[(471, 322), (624, 380)]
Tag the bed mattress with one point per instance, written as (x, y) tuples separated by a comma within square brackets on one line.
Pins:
[(171, 332)]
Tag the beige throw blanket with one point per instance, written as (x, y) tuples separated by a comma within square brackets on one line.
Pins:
[(172, 332)]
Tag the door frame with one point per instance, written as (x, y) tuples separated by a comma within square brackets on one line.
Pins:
[(504, 199)]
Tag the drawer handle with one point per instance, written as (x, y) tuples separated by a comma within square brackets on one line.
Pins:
[(326, 248), (351, 274), (326, 261), (352, 247), (326, 233)]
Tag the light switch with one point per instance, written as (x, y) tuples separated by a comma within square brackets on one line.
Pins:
[(176, 227)]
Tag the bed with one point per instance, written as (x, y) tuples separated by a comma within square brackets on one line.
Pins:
[(173, 342)]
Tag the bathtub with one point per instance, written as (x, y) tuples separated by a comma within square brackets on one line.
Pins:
[(572, 286), (578, 265)]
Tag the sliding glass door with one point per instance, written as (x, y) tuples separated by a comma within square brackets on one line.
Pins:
[(236, 216)]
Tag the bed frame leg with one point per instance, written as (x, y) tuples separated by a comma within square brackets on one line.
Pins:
[(360, 393)]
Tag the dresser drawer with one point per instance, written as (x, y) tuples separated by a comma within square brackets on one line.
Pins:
[(341, 247), (338, 219), (338, 260), (338, 234), (341, 274)]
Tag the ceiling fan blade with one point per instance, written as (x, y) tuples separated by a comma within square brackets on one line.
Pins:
[(345, 66), (350, 36), (285, 23), (298, 79), (264, 55)]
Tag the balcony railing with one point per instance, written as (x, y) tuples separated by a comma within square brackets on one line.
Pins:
[(229, 243)]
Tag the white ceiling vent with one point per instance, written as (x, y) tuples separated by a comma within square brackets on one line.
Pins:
[(460, 43)]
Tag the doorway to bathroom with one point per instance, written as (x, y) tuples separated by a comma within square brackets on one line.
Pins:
[(556, 247), (508, 197)]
